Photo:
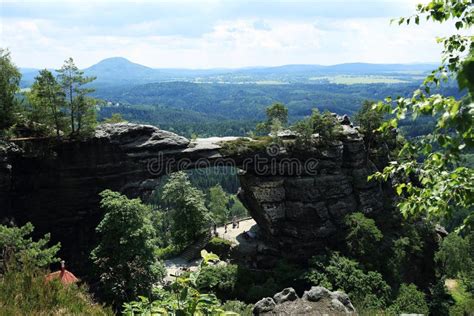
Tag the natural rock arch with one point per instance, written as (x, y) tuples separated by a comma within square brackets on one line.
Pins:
[(296, 204)]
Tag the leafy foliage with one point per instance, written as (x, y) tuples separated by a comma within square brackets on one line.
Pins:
[(220, 280), (17, 249), (409, 301), (363, 236), (9, 86), (367, 289), (442, 181), (219, 246), (218, 201), (325, 125), (125, 255), (189, 214), (81, 108), (181, 297), (456, 257), (47, 100), (114, 118), (277, 118)]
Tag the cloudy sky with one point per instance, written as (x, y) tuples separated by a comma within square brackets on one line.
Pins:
[(209, 34)]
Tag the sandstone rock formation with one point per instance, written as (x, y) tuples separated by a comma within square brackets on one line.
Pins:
[(298, 197), (305, 212), (317, 301)]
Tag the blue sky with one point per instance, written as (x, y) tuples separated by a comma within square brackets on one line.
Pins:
[(209, 34)]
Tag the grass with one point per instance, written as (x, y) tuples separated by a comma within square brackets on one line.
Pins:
[(25, 292), (243, 145)]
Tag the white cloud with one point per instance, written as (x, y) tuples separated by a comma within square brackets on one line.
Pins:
[(236, 42)]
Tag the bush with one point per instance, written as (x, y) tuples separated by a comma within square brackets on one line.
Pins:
[(362, 238), (167, 252), (238, 307), (325, 125), (409, 301), (456, 256), (219, 246), (218, 279), (341, 273), (25, 292)]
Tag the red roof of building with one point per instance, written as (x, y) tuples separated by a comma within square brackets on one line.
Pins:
[(63, 275)]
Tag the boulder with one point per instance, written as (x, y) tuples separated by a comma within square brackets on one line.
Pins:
[(287, 294), (316, 293), (266, 304)]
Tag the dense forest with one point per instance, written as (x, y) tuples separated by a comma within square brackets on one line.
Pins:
[(417, 139)]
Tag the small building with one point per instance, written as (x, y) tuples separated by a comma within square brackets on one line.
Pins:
[(63, 275)]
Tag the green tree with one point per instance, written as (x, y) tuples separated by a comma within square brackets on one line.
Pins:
[(115, 118), (80, 106), (456, 257), (366, 289), (237, 209), (9, 86), (180, 298), (324, 125), (409, 301), (17, 249), (218, 201), (277, 118), (189, 214), (124, 258), (440, 182), (47, 100), (362, 237), (369, 120)]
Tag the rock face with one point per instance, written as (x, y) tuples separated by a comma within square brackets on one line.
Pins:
[(305, 212), (317, 301), (298, 197)]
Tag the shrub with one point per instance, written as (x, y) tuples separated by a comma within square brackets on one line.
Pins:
[(409, 300), (167, 252), (242, 146), (456, 256), (238, 307), (325, 125), (219, 246), (362, 237), (218, 279), (338, 272)]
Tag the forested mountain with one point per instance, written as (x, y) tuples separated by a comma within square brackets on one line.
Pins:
[(118, 71)]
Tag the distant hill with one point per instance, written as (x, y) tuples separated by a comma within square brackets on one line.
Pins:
[(119, 71)]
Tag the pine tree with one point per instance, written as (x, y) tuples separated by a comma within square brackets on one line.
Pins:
[(47, 100), (80, 106)]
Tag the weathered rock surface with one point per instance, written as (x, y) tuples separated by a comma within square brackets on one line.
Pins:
[(317, 301), (297, 197), (304, 212)]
